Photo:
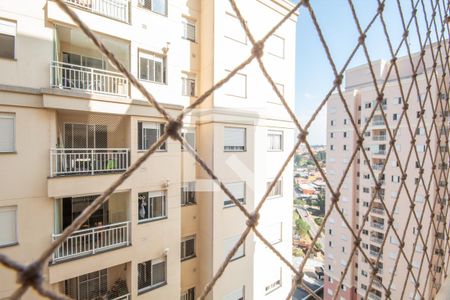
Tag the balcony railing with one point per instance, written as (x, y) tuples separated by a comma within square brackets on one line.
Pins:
[(378, 122), (123, 297), (376, 240), (92, 80), (378, 211), (88, 161), (372, 296), (379, 152), (93, 240), (379, 137), (375, 253), (115, 9), (377, 225), (377, 167)]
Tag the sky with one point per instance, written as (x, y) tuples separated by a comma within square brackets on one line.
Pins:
[(314, 76)]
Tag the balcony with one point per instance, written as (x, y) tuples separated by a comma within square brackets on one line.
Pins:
[(376, 239), (377, 167), (378, 211), (110, 283), (380, 137), (91, 80), (106, 229), (375, 253), (373, 296), (92, 241), (88, 161), (78, 65), (114, 9), (377, 225), (89, 144)]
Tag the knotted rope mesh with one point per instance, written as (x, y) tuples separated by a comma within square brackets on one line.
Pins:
[(435, 209)]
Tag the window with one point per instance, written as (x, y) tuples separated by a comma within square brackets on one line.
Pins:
[(275, 283), (331, 134), (88, 286), (188, 193), (152, 67), (148, 134), (237, 189), (188, 294), (234, 139), (344, 147), (152, 206), (332, 122), (237, 85), (273, 232), (188, 247), (189, 30), (398, 100), (151, 274), (8, 225), (275, 46), (331, 147), (7, 132), (345, 121), (188, 85), (275, 140), (229, 244), (7, 38), (345, 134), (234, 29), (368, 105), (189, 135), (395, 117), (238, 294), (156, 6), (277, 190)]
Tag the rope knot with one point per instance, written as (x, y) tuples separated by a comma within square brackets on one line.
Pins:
[(258, 49), (252, 220), (338, 80), (335, 197), (172, 128), (302, 136), (361, 38), (31, 275), (405, 106), (380, 8), (393, 60)]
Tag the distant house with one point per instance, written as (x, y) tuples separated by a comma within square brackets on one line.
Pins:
[(307, 189)]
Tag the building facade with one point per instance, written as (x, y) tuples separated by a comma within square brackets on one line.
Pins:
[(359, 188), (70, 124)]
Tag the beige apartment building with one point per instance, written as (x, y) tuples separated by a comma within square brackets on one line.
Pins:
[(359, 186), (70, 124)]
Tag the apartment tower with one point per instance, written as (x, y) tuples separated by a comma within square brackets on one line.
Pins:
[(359, 187), (70, 124)]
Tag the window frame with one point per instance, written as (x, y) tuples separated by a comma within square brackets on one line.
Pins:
[(283, 41), (228, 35), (189, 22), (231, 203), (189, 185), (150, 195), (186, 87), (8, 22), (189, 130), (183, 255), (271, 195), (232, 240), (152, 263), (227, 92), (245, 140), (270, 133), (142, 5), (11, 116), (273, 286), (155, 57), (14, 242), (159, 131)]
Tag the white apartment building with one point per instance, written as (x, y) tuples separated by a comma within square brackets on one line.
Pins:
[(70, 124), (359, 187)]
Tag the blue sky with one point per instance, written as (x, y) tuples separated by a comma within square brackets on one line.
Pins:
[(314, 75)]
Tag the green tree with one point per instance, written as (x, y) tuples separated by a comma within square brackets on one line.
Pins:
[(302, 227), (321, 202)]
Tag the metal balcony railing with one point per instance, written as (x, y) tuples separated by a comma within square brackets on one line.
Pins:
[(379, 137), (93, 240), (375, 253), (373, 296), (378, 122), (123, 297), (114, 9), (376, 240), (377, 225), (88, 161), (378, 211), (91, 80), (377, 167)]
